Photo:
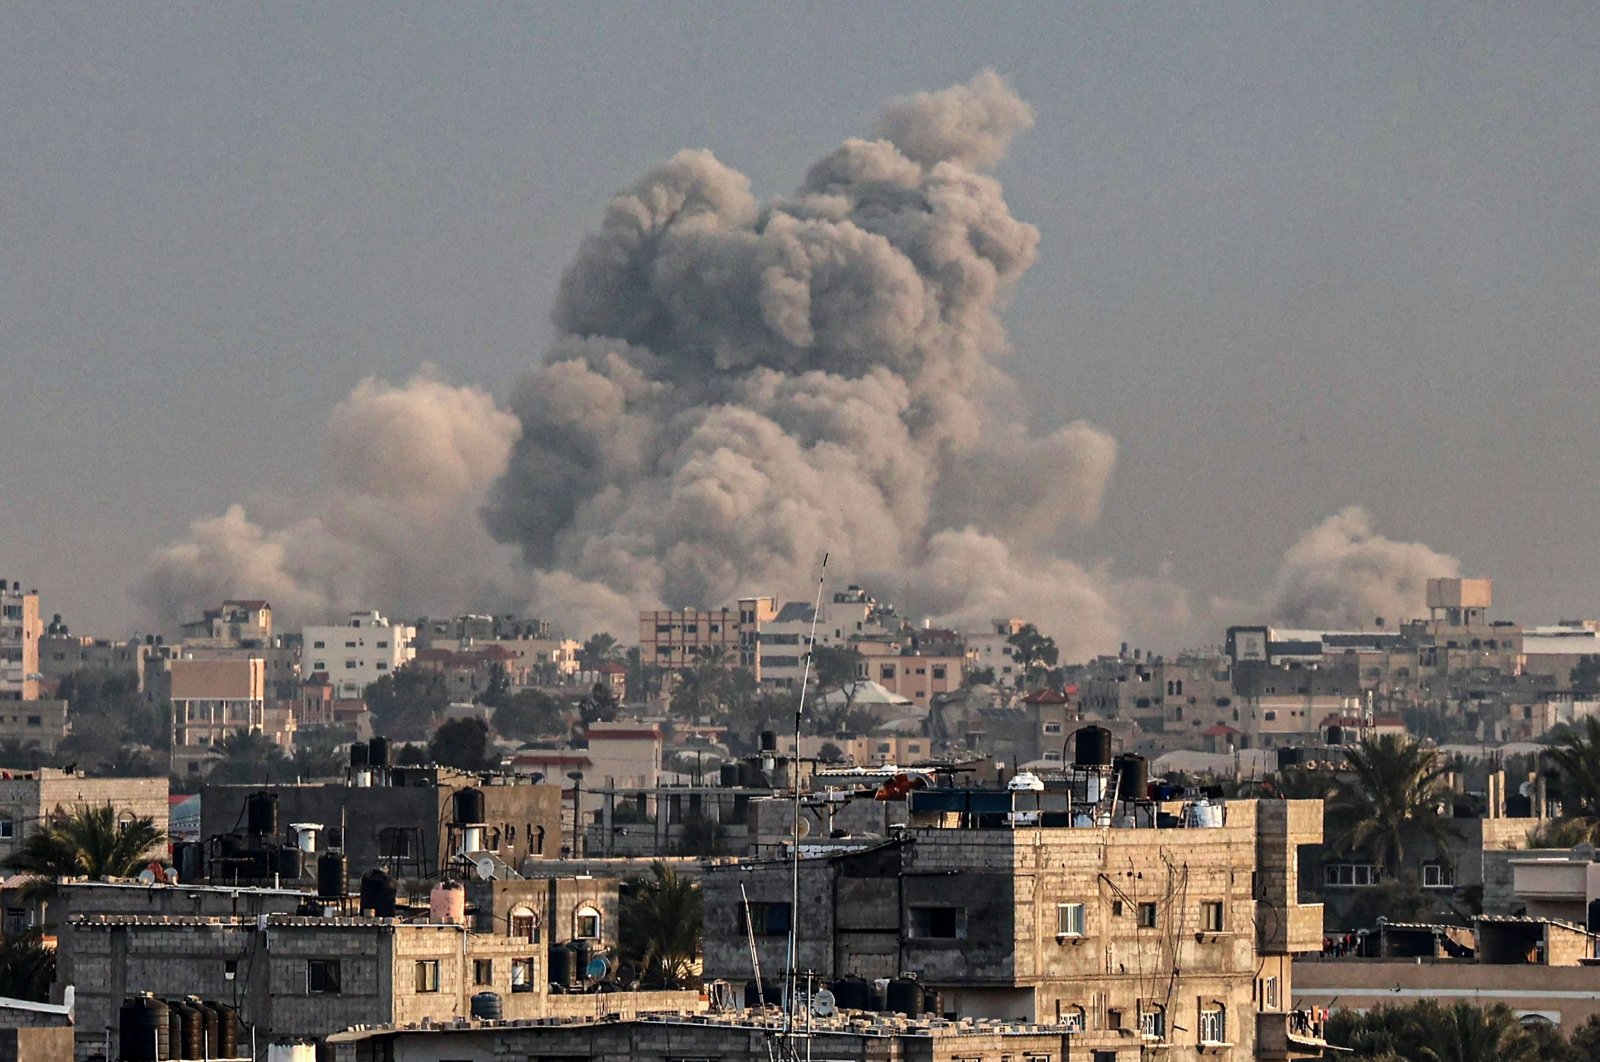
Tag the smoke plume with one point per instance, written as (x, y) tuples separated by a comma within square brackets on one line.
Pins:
[(742, 386), (395, 526), (1343, 574)]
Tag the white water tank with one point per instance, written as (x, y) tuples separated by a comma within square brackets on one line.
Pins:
[(1025, 781), (291, 1051)]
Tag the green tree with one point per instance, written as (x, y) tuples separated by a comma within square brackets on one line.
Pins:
[(250, 756), (1465, 1033), (27, 966), (979, 676), (1585, 1040), (319, 752), (661, 926), (498, 689), (92, 841), (699, 689), (1576, 755), (598, 649), (1393, 789), (528, 715), (644, 678), (702, 836), (405, 702), (830, 753), (463, 744), (1586, 676), (1032, 651), (599, 705)]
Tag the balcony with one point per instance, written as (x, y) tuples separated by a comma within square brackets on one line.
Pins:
[(1286, 1035), (1289, 930)]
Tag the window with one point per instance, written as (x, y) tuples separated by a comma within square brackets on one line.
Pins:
[(886, 672), (938, 672), (319, 665), (322, 977), (1072, 1019), (1069, 919), (8, 829), (1438, 876), (349, 645), (394, 842), (1114, 1018), (382, 666), (522, 972), (1116, 908), (318, 645), (35, 720), (349, 665), (1213, 1024), (1102, 1056), (766, 919), (939, 923), (1269, 993), (586, 924), (483, 971), (1147, 916), (1211, 916), (1349, 875), (1052, 728), (427, 975), (1153, 1022), (525, 925), (1269, 715), (383, 645)]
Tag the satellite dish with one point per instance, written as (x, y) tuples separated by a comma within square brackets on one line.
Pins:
[(822, 1003), (804, 828), (147, 876), (485, 868), (171, 875), (598, 968), (1526, 789)]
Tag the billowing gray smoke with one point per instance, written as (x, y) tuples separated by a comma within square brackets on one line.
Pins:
[(394, 527), (744, 386), (1341, 574)]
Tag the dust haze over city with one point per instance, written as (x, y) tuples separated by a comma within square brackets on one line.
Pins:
[(1217, 316), (666, 531)]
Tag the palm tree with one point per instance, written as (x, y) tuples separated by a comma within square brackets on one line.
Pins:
[(89, 841), (1299, 783), (597, 649), (1394, 787), (249, 756), (1467, 1033), (1577, 754), (27, 966), (662, 921)]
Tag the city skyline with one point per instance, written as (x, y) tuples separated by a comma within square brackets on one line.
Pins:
[(1290, 262)]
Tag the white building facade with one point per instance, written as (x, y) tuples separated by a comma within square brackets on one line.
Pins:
[(358, 653)]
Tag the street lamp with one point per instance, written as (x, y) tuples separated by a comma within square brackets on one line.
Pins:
[(577, 807)]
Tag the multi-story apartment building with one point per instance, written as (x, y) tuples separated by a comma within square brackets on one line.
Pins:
[(1156, 937), (210, 700), (989, 648), (357, 653), (911, 675), (20, 631), (27, 797), (677, 638), (784, 639)]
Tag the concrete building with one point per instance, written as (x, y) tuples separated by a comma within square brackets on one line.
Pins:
[(989, 648), (62, 654), (404, 820), (210, 699), (20, 631), (39, 724), (358, 652), (243, 623), (784, 639), (675, 638), (1175, 938), (914, 676)]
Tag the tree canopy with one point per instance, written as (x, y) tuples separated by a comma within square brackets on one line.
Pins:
[(93, 841), (661, 926), (1393, 789), (405, 702), (463, 744)]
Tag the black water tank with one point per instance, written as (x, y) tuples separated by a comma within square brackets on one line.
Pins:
[(1594, 916), (227, 1045), (1091, 747), (905, 997), (766, 991), (728, 775), (209, 1026), (468, 805), (291, 861), (378, 752), (191, 1022), (332, 875), (878, 996), (188, 857), (261, 813), (933, 1002), (582, 952), (378, 892), (359, 754), (769, 741), (1336, 734), (1290, 756), (142, 1033), (561, 966), (1133, 776), (486, 1006), (852, 993)]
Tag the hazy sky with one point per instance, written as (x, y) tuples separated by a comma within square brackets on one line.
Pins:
[(1293, 258)]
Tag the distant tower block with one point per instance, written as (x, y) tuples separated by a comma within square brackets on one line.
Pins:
[(1459, 602)]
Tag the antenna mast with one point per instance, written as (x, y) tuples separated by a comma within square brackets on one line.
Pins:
[(792, 973)]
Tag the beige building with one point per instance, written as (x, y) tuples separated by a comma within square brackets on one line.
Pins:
[(915, 677), (40, 724), (210, 699), (27, 797), (239, 623), (677, 638), (20, 631), (1177, 939)]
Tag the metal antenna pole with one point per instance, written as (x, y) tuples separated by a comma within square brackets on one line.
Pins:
[(791, 975)]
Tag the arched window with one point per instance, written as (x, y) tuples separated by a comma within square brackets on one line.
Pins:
[(524, 924), (1072, 1018), (1213, 1022), (1153, 1021), (586, 923)]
